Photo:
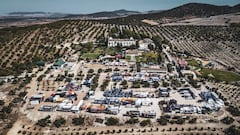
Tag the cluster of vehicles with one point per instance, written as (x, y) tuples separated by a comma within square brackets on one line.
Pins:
[(144, 77), (64, 106), (88, 94), (99, 108), (114, 109), (145, 114), (60, 96), (115, 63), (187, 93), (115, 92)]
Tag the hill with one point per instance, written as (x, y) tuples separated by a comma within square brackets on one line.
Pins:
[(186, 10), (194, 9)]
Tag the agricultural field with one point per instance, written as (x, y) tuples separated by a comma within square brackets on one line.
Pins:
[(219, 75), (194, 63), (50, 41), (91, 55)]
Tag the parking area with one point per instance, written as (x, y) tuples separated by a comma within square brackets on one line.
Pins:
[(104, 89)]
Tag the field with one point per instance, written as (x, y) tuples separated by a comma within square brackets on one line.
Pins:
[(194, 63), (220, 75), (91, 55)]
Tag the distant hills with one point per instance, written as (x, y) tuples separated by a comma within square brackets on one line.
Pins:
[(131, 17), (106, 14)]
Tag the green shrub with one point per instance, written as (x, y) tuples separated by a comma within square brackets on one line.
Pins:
[(78, 121), (162, 120), (44, 122), (59, 122), (132, 121), (180, 121), (145, 122), (194, 120), (112, 121), (227, 120)]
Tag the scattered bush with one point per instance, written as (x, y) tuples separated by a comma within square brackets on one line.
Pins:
[(108, 70), (180, 121), (145, 122), (44, 122), (59, 122), (112, 121), (227, 120), (100, 70), (232, 130), (155, 84), (233, 110), (194, 120), (90, 71), (78, 121), (2, 102), (132, 121), (162, 120)]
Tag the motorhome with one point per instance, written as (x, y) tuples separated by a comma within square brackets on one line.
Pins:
[(148, 114)]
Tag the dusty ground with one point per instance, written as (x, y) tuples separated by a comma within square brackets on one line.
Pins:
[(25, 23), (151, 22), (213, 20)]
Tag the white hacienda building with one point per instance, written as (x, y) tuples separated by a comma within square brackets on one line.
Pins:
[(122, 42)]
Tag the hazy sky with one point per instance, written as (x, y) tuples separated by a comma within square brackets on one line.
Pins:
[(90, 6)]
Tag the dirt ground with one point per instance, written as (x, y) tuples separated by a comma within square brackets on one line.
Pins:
[(213, 20), (26, 23), (151, 22)]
